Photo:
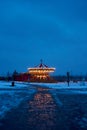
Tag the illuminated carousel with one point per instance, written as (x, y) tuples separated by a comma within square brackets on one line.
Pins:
[(41, 73)]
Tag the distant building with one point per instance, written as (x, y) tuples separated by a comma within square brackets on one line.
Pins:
[(21, 77)]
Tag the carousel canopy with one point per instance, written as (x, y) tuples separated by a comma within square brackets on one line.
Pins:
[(41, 68)]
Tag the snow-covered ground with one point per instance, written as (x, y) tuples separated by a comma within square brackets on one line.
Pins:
[(79, 87), (61, 85), (11, 97), (17, 85), (72, 99)]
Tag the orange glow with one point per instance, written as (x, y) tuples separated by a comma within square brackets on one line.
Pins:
[(40, 73), (41, 70), (43, 110)]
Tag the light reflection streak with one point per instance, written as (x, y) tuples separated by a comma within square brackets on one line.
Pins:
[(42, 111)]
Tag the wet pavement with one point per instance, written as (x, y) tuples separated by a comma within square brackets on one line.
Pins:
[(45, 111)]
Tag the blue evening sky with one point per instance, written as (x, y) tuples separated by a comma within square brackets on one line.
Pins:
[(52, 30)]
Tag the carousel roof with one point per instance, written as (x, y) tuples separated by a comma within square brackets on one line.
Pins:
[(42, 67)]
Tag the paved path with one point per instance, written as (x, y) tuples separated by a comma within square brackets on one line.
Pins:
[(45, 111)]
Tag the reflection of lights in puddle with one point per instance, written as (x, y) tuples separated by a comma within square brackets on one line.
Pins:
[(42, 110), (42, 101)]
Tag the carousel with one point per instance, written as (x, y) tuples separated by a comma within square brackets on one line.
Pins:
[(41, 73)]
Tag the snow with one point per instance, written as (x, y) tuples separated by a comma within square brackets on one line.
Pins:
[(74, 89), (17, 85), (11, 97), (63, 86)]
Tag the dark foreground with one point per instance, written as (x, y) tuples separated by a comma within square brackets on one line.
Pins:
[(47, 111)]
